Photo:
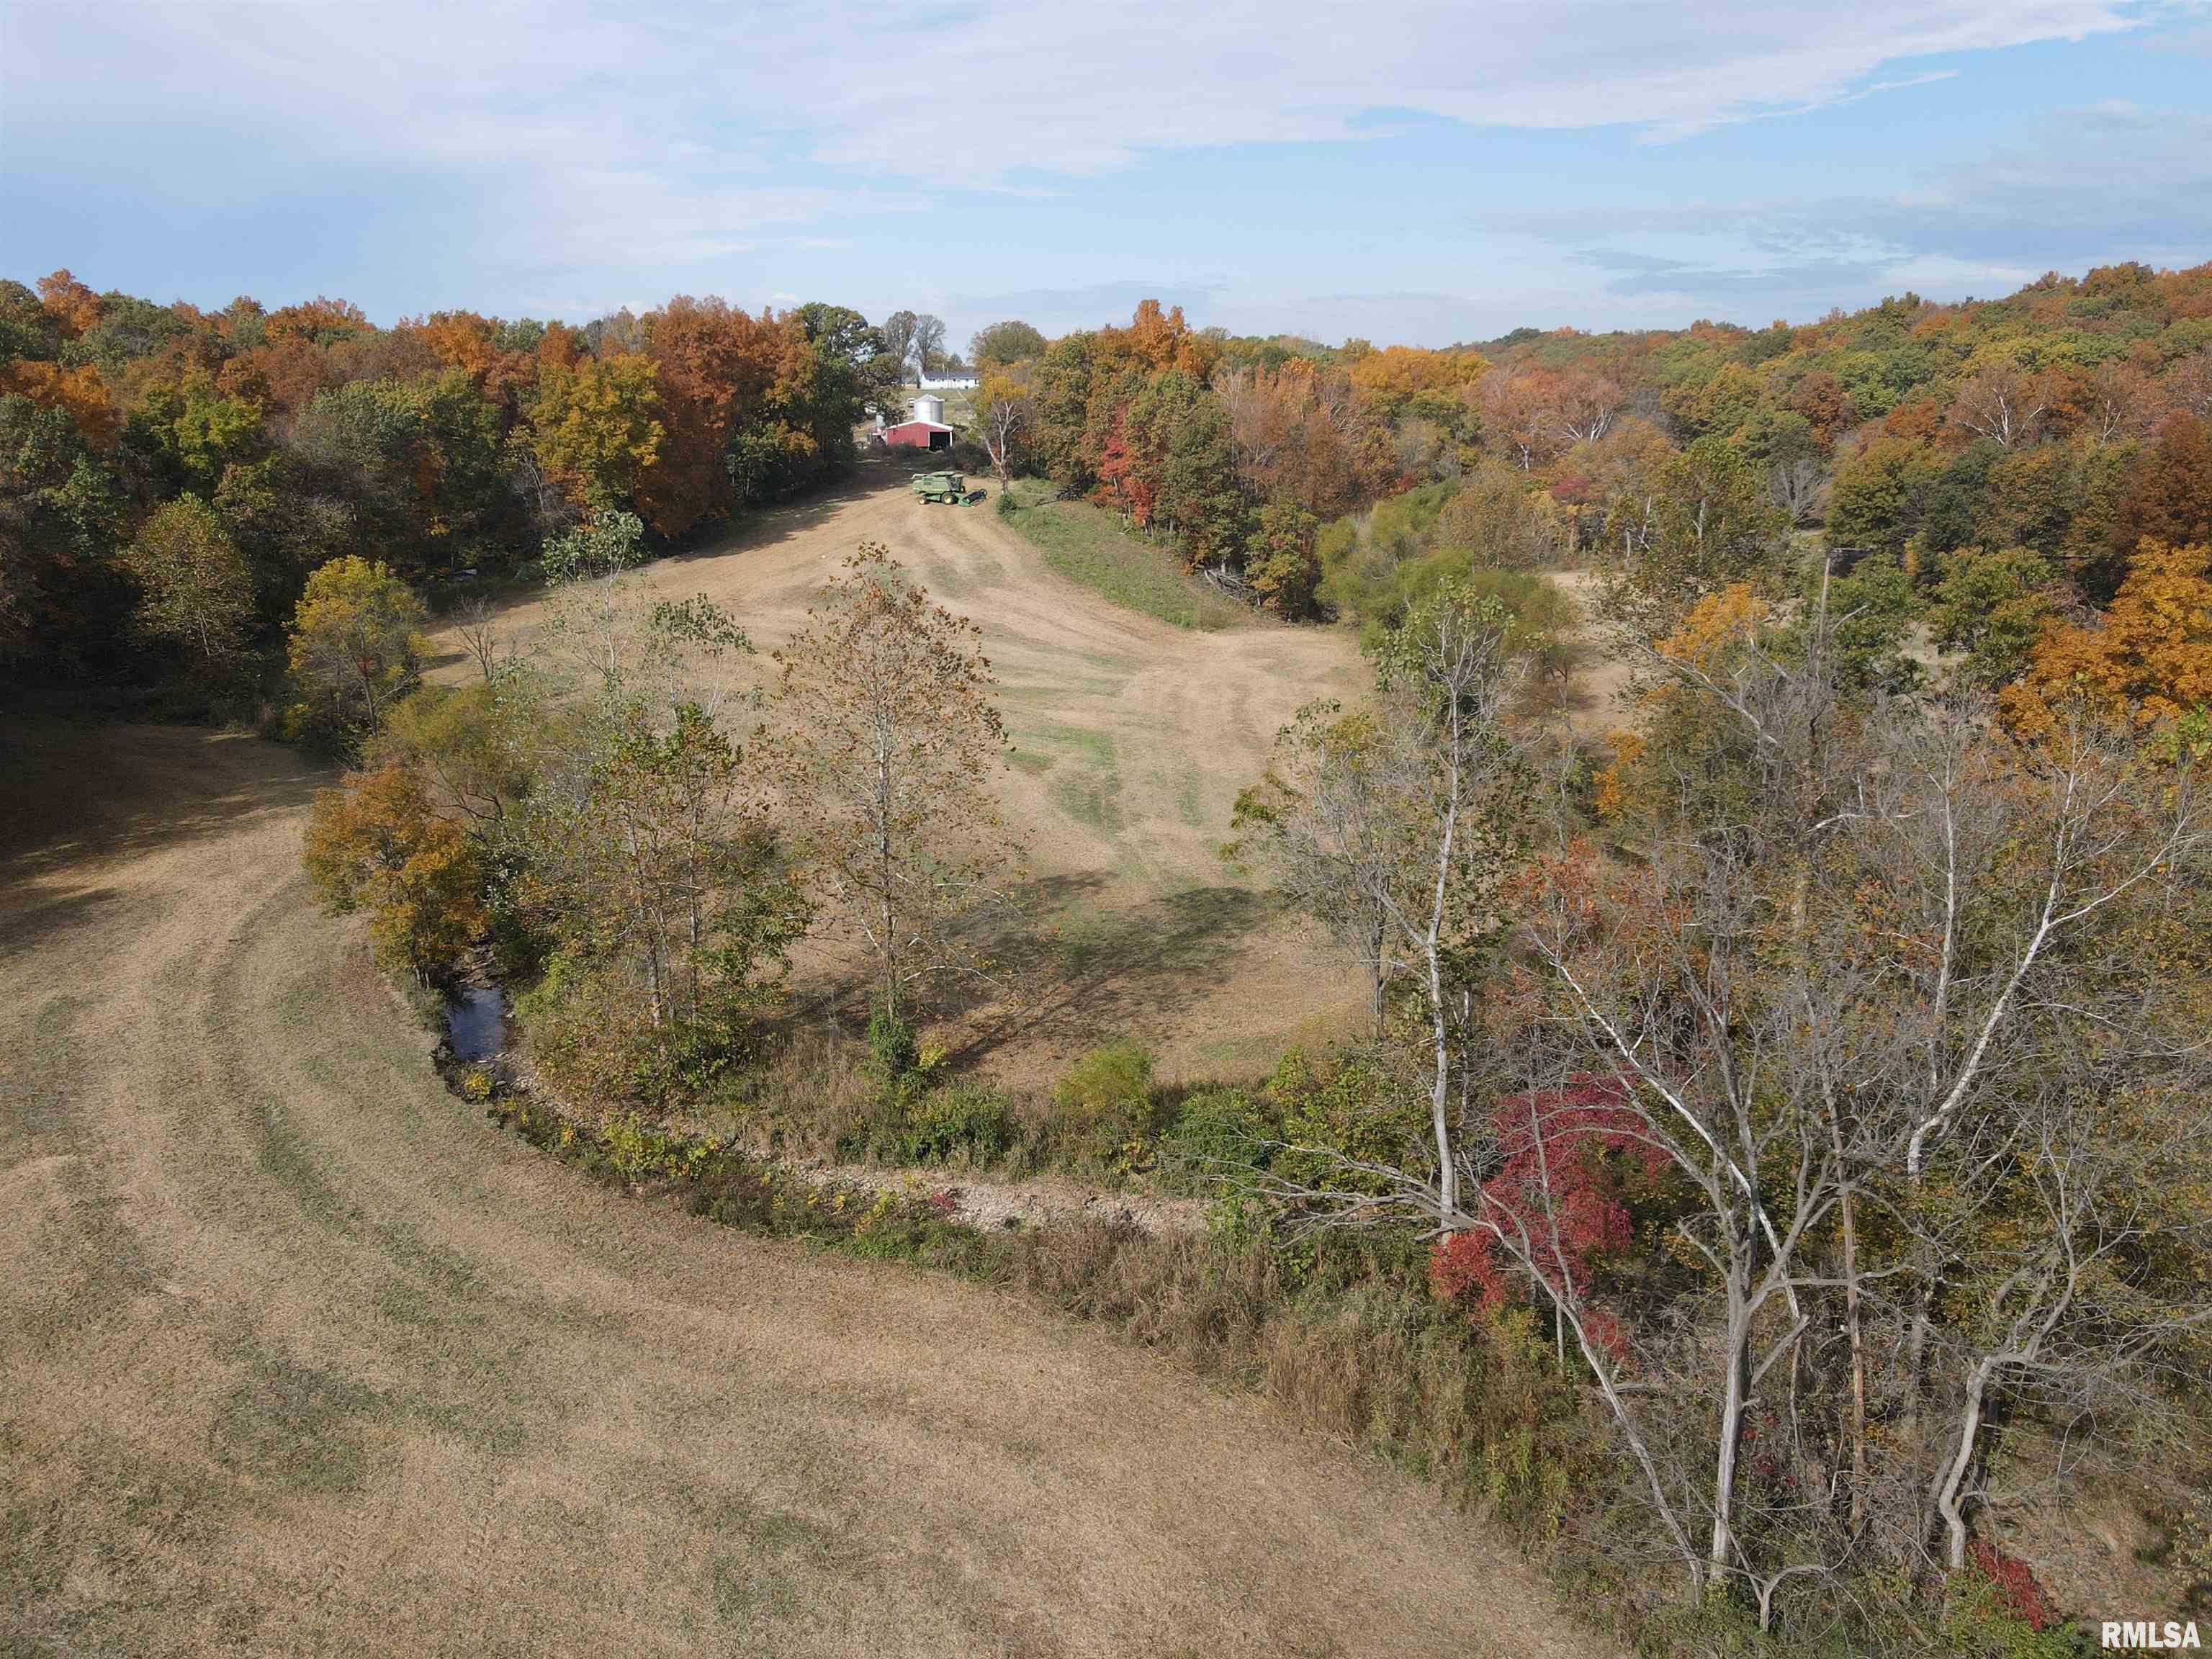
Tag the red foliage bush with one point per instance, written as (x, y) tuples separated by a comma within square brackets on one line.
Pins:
[(1567, 1153), (2016, 1585)]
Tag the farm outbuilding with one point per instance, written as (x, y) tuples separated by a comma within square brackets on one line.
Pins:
[(926, 430)]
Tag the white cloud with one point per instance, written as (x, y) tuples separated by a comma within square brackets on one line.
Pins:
[(978, 91), (575, 149)]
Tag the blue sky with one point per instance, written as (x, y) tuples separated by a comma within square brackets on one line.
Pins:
[(1415, 172)]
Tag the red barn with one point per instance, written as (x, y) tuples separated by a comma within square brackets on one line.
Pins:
[(927, 430), (917, 435)]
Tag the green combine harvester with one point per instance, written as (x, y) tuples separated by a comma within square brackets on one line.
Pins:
[(949, 488)]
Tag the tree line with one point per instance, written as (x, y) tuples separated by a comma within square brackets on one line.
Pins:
[(171, 478), (1995, 465)]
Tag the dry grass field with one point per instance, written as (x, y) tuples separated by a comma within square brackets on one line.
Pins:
[(1131, 738), (298, 1355)]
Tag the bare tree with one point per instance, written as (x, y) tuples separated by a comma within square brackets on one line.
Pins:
[(1519, 418), (2118, 402), (2189, 384), (928, 340), (477, 621), (886, 736), (1006, 417), (1879, 992), (1799, 486), (898, 338), (2002, 404), (1324, 824), (1444, 678), (1584, 404), (2061, 1302)]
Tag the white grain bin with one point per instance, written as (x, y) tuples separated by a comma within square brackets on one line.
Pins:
[(927, 408)]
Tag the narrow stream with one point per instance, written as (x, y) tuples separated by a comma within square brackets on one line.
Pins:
[(475, 1021)]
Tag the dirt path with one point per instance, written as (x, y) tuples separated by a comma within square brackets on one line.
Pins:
[(1131, 740), (296, 1356)]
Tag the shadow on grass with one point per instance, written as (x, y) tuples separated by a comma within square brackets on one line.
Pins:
[(1098, 973), (70, 794), (1064, 968)]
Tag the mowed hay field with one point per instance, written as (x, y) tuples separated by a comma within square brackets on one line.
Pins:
[(1131, 738), (299, 1355)]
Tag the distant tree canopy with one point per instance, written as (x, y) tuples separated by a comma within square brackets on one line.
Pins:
[(1004, 344), (172, 477), (2019, 452)]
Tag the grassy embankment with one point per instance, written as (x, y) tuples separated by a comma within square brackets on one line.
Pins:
[(1087, 546)]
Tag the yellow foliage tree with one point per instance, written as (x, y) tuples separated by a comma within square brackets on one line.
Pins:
[(379, 845), (1672, 745), (2148, 658), (195, 590), (597, 426), (357, 637), (1392, 378)]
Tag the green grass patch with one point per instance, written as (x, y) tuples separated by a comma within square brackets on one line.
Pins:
[(1091, 798), (1088, 546)]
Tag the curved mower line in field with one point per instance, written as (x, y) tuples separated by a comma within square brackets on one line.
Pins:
[(299, 1354)]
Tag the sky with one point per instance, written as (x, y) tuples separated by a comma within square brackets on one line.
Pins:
[(1416, 173)]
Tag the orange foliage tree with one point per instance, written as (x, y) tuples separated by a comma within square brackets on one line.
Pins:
[(714, 365), (79, 392), (2148, 658), (379, 845)]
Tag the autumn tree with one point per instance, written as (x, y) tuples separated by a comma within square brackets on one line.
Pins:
[(379, 845), (1693, 521), (356, 641), (195, 592), (652, 865), (2168, 496), (2148, 659), (638, 854), (886, 739), (1994, 607), (1179, 451), (1005, 423), (60, 515), (1500, 524), (598, 426), (713, 367), (1280, 561)]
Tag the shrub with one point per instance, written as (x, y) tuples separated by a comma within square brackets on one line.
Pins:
[(1218, 1132), (1348, 1106), (1103, 1110), (892, 1041), (804, 1098), (1981, 1621), (591, 1041), (959, 1123), (1215, 1149)]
